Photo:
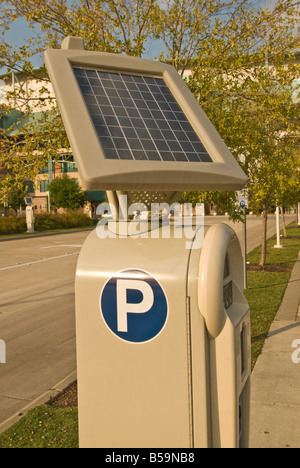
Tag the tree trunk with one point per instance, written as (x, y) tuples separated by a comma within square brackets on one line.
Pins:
[(264, 236)]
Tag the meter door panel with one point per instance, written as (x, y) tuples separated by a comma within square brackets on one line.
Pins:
[(223, 308), (132, 394)]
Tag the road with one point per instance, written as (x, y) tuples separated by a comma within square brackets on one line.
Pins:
[(37, 320)]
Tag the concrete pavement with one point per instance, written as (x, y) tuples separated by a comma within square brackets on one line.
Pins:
[(275, 382)]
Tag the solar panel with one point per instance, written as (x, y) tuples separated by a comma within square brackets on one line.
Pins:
[(137, 118), (133, 125)]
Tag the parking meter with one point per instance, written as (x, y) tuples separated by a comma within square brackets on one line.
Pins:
[(162, 324), (164, 342), (30, 215)]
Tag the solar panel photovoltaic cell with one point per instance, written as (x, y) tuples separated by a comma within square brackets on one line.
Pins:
[(138, 118)]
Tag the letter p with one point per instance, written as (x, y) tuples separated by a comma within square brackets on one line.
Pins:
[(124, 307)]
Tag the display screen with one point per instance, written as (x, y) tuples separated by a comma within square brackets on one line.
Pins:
[(227, 295)]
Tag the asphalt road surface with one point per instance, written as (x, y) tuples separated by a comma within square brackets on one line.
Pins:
[(37, 319)]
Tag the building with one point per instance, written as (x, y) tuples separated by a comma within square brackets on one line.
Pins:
[(31, 92)]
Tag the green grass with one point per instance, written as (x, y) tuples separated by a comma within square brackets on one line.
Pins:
[(265, 289), (285, 256), (44, 427), (264, 294), (53, 427)]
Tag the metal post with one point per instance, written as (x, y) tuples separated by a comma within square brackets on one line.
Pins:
[(278, 245), (245, 248)]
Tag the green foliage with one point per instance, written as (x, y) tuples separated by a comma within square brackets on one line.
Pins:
[(226, 202), (67, 193), (46, 222), (72, 219), (12, 225), (245, 85), (16, 199), (252, 108)]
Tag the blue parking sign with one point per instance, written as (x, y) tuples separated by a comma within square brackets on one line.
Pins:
[(134, 306)]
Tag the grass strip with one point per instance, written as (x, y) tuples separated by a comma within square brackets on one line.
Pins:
[(44, 427)]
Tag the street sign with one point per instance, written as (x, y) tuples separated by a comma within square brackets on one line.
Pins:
[(243, 198), (134, 306)]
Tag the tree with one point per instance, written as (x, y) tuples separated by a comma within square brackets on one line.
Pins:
[(112, 26), (66, 193), (122, 26), (248, 96), (23, 153), (16, 199)]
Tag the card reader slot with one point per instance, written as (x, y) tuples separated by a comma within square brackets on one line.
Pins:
[(244, 353), (227, 295)]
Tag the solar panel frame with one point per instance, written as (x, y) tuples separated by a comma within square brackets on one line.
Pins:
[(97, 172)]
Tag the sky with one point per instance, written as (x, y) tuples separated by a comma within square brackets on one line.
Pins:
[(19, 34)]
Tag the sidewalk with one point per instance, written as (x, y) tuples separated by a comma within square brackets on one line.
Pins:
[(275, 384)]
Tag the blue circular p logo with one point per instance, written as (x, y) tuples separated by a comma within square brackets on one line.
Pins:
[(134, 306)]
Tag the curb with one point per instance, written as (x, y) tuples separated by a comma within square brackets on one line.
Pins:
[(46, 234), (42, 399)]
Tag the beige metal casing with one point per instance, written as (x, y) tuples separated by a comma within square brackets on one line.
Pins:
[(229, 330), (99, 173), (184, 387), (30, 218), (132, 394), (30, 214)]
